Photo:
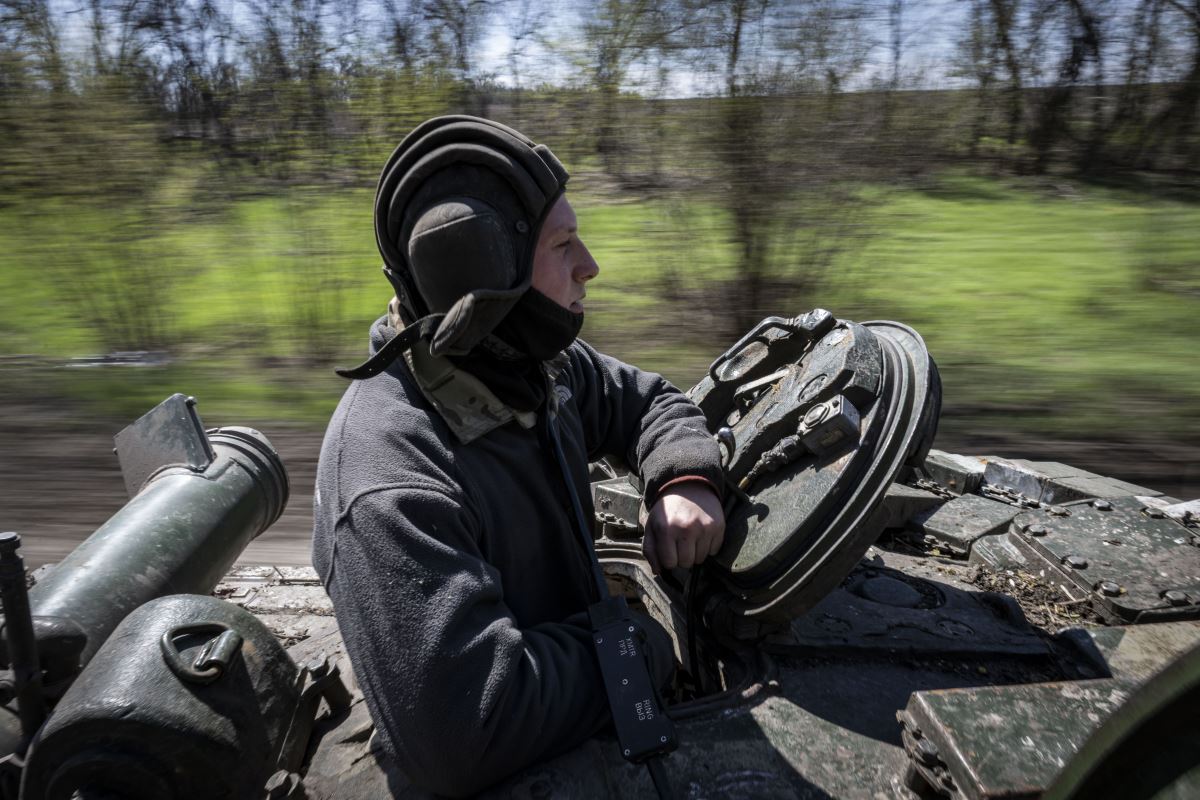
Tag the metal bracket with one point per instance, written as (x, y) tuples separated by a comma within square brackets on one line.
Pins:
[(168, 435)]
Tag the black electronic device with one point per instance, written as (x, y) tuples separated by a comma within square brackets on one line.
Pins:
[(643, 729)]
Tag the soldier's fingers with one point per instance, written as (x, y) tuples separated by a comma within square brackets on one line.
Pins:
[(700, 547), (709, 543), (685, 549), (668, 557), (718, 539), (649, 546)]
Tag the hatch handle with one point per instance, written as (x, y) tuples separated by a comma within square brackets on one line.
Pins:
[(213, 659), (757, 334)]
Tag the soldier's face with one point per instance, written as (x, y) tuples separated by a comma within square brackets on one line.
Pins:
[(561, 262)]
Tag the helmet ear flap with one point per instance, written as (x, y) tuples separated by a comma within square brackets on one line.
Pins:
[(458, 246)]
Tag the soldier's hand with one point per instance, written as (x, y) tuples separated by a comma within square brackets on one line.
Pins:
[(685, 526)]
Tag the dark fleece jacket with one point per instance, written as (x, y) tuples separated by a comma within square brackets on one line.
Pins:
[(457, 578)]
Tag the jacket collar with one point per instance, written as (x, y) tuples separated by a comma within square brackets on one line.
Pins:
[(468, 406)]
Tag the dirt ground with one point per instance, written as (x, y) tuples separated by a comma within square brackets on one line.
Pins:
[(59, 479)]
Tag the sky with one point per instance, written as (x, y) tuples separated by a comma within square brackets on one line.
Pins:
[(555, 54), (929, 27)]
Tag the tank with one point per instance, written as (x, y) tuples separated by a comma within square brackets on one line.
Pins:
[(885, 620)]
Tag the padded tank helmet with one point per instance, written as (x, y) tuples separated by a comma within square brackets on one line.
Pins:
[(458, 210)]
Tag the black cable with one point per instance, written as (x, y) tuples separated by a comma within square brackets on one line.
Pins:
[(580, 519), (693, 622), (658, 774)]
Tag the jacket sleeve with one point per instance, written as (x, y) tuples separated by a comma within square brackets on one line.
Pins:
[(642, 418), (465, 697)]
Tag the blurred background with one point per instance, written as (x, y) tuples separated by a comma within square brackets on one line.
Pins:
[(186, 189)]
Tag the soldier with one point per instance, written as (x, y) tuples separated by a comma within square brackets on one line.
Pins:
[(445, 529)]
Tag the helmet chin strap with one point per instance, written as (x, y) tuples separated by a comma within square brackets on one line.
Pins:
[(424, 328), (537, 328)]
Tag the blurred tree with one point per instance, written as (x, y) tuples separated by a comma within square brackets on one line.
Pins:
[(455, 27), (1126, 132), (403, 88), (975, 60), (523, 21), (896, 43), (989, 52), (288, 92), (780, 171), (1175, 125), (617, 35), (1084, 37), (32, 31), (1004, 22), (822, 43)]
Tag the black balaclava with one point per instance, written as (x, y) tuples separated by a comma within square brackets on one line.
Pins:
[(538, 329)]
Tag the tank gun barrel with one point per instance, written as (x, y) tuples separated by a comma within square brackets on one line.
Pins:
[(178, 535)]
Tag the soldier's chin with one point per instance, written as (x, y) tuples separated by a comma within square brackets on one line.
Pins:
[(576, 307)]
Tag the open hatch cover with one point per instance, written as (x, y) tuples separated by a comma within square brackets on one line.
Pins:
[(817, 417)]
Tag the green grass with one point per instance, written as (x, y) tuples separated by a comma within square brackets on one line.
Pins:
[(1075, 306), (1049, 300)]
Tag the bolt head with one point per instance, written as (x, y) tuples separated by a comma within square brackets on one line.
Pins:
[(1102, 504), (927, 752), (1155, 513), (1059, 511), (1037, 529), (10, 540), (1076, 562), (816, 414), (1175, 597), (1109, 588)]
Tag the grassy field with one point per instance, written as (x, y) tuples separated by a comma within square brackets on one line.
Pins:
[(1075, 307), (1066, 309)]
